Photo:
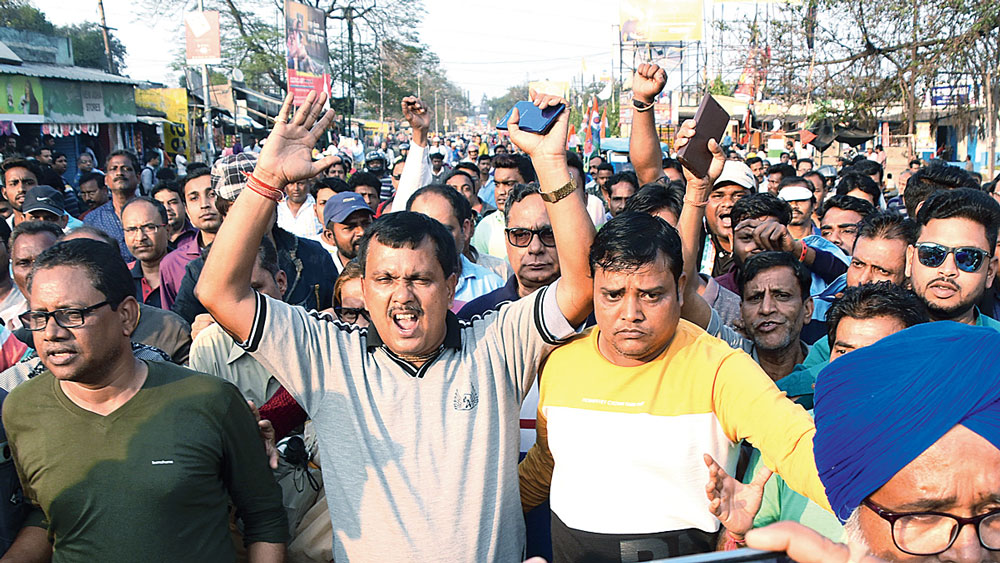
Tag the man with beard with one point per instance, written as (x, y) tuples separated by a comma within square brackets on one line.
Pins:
[(93, 192), (953, 261), (909, 456), (19, 176), (799, 195), (345, 218), (179, 229), (839, 218), (122, 180)]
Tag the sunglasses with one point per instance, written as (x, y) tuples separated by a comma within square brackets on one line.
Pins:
[(967, 258), (521, 237)]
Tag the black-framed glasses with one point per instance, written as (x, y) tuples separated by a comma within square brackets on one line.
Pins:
[(967, 258), (148, 229), (66, 318), (521, 237), (351, 314), (931, 533)]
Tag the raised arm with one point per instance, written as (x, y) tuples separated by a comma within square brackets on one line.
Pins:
[(417, 169), (224, 284), (571, 224), (644, 144), (695, 308)]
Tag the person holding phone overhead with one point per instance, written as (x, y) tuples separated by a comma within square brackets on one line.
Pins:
[(417, 415)]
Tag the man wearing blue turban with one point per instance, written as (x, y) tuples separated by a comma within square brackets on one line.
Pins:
[(908, 447)]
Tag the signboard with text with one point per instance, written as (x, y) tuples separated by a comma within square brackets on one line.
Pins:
[(307, 56)]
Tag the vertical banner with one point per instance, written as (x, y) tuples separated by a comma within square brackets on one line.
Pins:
[(307, 55), (204, 43)]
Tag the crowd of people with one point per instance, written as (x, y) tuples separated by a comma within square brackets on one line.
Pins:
[(489, 350)]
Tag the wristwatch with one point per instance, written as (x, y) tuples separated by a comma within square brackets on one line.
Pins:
[(641, 106), (561, 193)]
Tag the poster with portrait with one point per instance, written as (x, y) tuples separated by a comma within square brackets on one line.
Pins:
[(307, 56)]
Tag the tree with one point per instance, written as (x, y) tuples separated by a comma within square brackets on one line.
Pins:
[(86, 38), (871, 56), (88, 46), (375, 57)]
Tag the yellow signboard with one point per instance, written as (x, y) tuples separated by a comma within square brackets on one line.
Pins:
[(173, 102), (661, 21)]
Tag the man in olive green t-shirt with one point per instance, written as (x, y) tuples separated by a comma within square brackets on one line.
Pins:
[(124, 460)]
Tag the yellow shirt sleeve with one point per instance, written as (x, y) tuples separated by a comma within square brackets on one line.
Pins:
[(749, 406), (535, 470)]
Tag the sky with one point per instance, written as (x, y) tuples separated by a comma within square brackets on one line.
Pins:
[(484, 46)]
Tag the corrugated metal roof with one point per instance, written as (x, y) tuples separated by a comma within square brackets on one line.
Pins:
[(77, 73)]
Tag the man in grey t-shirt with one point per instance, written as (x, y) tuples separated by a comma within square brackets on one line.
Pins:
[(417, 415)]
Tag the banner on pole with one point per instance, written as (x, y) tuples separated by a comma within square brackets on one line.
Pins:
[(307, 54), (204, 44)]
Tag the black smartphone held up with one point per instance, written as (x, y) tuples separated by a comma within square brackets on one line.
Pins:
[(533, 119), (733, 556), (711, 120)]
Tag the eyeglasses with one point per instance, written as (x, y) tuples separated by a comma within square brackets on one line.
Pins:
[(147, 229), (351, 314), (396, 176), (967, 258), (66, 318), (931, 533), (521, 237)]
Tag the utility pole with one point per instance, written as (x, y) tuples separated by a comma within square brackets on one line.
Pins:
[(349, 16), (381, 108), (206, 92), (437, 132), (104, 31)]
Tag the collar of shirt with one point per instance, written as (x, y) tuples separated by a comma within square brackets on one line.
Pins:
[(452, 337), (136, 269), (190, 247)]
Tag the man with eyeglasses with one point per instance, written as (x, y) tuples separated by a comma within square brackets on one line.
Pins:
[(910, 456), (144, 221), (508, 171), (122, 179), (953, 261), (178, 446)]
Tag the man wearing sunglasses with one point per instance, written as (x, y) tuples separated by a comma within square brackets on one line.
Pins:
[(952, 262)]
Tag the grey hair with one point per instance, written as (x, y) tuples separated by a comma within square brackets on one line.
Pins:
[(852, 529)]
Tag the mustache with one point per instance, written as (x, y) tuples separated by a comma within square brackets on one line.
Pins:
[(406, 309), (944, 281)]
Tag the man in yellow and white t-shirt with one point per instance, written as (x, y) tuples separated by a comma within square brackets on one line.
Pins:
[(627, 410)]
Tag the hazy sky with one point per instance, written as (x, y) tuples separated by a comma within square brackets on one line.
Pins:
[(485, 46)]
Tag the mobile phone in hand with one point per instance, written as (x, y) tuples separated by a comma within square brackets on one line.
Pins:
[(711, 121), (531, 118)]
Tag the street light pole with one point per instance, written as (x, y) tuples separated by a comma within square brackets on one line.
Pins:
[(209, 133), (104, 31)]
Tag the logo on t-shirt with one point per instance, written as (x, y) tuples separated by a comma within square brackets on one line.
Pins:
[(466, 401)]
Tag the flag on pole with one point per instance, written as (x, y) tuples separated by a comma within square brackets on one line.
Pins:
[(588, 136), (595, 125)]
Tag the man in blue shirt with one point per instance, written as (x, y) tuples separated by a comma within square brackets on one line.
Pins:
[(448, 207)]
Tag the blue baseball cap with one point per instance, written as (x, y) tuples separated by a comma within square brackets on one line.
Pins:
[(340, 206)]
